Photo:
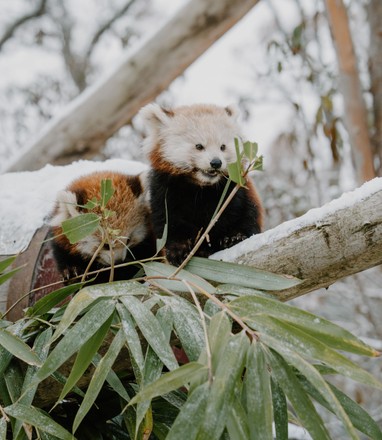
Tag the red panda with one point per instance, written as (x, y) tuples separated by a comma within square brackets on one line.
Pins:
[(189, 149), (131, 220)]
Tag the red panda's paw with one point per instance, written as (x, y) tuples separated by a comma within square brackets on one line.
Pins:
[(227, 242), (176, 253)]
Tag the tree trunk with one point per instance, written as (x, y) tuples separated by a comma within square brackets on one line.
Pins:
[(326, 244), (375, 65), (101, 110), (350, 85)]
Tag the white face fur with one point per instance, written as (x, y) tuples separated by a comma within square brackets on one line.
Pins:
[(198, 140)]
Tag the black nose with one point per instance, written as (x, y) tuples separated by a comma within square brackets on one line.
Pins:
[(216, 163)]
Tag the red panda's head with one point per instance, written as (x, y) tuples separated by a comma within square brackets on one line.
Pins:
[(195, 140), (130, 219)]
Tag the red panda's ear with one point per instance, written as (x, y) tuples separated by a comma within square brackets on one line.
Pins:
[(232, 111), (66, 207), (154, 116)]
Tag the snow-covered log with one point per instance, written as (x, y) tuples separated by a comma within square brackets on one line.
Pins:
[(101, 110), (339, 239)]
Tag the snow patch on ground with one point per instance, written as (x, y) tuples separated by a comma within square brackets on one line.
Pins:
[(316, 216), (27, 198)]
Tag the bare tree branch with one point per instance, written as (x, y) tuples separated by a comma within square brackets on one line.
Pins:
[(97, 114), (325, 245), (40, 10), (350, 85), (375, 66)]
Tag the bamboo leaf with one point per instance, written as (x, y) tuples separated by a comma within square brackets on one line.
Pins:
[(250, 150), (237, 423), (281, 335), (49, 301), (79, 227), (3, 429), (170, 381), (191, 415), (107, 191), (13, 381), (155, 269), (7, 275), (151, 330), (301, 403), (76, 337), (6, 263), (85, 356), (187, 326), (280, 411), (322, 329), (99, 377), (222, 390), (132, 341), (358, 416), (219, 332), (39, 419), (18, 348), (257, 383), (245, 276)]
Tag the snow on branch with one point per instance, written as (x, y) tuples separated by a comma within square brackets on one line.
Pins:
[(145, 72), (324, 245)]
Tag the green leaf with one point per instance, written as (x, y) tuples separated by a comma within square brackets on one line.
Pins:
[(257, 383), (170, 381), (222, 390), (107, 191), (41, 348), (7, 275), (85, 356), (250, 150), (76, 337), (219, 332), (245, 276), (237, 422), (6, 263), (91, 204), (151, 330), (358, 416), (3, 429), (281, 336), (13, 380), (297, 396), (235, 171), (99, 377), (191, 415), (187, 326), (79, 227), (39, 419), (18, 348), (49, 301), (320, 328), (280, 411), (132, 341), (161, 270)]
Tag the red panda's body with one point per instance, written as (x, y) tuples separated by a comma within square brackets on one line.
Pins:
[(189, 149), (131, 219)]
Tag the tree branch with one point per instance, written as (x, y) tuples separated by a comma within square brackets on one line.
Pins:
[(99, 112), (350, 85), (40, 10), (326, 244)]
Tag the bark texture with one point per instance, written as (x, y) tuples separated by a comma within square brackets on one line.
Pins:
[(375, 65), (351, 89), (101, 110), (323, 250)]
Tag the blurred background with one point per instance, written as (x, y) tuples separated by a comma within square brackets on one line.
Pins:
[(308, 83)]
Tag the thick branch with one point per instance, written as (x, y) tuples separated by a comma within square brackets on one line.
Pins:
[(99, 112), (375, 65), (323, 246), (350, 85)]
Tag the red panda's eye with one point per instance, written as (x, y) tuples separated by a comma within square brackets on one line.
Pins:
[(199, 147), (223, 147)]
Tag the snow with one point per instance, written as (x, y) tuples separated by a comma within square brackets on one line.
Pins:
[(27, 198), (316, 216)]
